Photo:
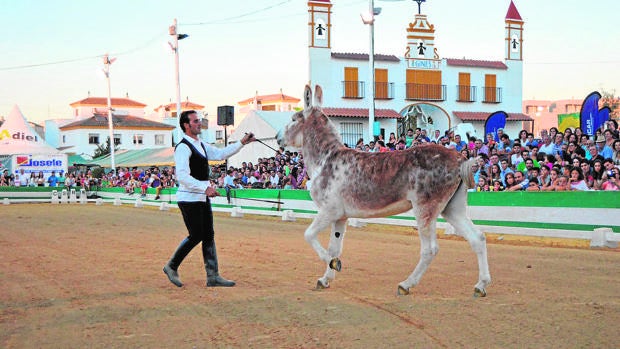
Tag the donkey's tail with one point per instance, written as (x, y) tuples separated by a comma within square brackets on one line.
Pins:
[(466, 173)]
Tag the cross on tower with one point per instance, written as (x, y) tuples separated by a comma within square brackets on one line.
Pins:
[(419, 5)]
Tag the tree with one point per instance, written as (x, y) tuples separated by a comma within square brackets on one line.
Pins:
[(103, 149), (608, 99)]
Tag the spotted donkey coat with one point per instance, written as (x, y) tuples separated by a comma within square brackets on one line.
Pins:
[(346, 183)]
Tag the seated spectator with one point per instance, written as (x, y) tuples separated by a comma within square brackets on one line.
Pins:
[(612, 181), (497, 185), (576, 180), (521, 182), (533, 185)]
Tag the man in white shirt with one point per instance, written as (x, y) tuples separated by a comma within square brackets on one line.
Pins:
[(191, 157)]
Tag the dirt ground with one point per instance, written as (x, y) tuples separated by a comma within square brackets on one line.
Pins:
[(87, 276)]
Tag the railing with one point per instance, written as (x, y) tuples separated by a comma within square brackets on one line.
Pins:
[(492, 94), (353, 89), (466, 93), (425, 92), (384, 90)]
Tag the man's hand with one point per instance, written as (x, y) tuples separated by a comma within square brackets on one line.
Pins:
[(249, 137), (211, 192)]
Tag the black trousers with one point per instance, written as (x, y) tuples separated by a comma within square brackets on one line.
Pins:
[(198, 218)]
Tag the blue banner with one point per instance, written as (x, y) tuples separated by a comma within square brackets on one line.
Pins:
[(589, 111), (602, 117), (494, 122)]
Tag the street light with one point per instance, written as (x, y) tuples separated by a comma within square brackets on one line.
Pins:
[(175, 48), (369, 18), (107, 61)]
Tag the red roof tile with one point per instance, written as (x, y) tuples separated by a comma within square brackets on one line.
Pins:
[(476, 63), (361, 113), (482, 116), (278, 97), (103, 101), (184, 105), (364, 57), (125, 121), (513, 13)]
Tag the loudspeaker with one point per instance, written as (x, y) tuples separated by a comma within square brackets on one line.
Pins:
[(225, 115)]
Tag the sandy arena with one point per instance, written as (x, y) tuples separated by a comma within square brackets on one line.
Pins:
[(86, 276)]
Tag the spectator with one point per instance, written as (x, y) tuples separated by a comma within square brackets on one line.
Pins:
[(603, 149), (409, 138), (505, 144), (509, 180), (594, 155), (459, 144), (521, 183), (576, 180), (612, 182)]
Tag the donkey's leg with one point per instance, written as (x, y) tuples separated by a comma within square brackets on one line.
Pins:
[(455, 214), (428, 250), (334, 249)]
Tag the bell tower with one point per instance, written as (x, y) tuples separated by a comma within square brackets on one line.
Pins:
[(319, 23), (514, 34), (319, 42)]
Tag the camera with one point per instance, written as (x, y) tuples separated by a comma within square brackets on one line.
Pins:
[(610, 173)]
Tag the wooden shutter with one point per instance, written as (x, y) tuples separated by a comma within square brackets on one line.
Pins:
[(381, 83), (351, 89), (490, 91), (464, 87)]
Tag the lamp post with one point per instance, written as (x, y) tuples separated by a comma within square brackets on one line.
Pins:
[(370, 20), (175, 48), (106, 70)]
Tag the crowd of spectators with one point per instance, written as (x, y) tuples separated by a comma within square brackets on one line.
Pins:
[(556, 161)]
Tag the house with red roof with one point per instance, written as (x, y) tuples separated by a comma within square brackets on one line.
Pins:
[(421, 88)]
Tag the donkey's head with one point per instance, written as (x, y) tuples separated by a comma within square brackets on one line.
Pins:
[(292, 134)]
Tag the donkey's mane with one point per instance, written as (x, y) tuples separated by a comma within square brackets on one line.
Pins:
[(320, 134)]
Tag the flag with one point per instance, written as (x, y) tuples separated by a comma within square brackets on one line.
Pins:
[(494, 122), (589, 111), (568, 120), (602, 117)]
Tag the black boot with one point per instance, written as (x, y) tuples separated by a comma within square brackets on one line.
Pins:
[(170, 269), (213, 277)]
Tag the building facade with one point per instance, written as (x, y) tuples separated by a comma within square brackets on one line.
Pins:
[(420, 89)]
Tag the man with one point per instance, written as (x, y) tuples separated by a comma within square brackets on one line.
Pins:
[(521, 182), (547, 146), (52, 180), (505, 169), (436, 138), (191, 157), (409, 138), (601, 145), (459, 143), (505, 144)]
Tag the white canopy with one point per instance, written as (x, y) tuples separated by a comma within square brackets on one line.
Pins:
[(265, 126), (18, 137)]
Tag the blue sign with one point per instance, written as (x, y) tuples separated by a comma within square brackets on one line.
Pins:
[(494, 122), (588, 116)]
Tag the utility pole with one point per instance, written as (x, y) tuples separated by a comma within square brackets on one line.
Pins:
[(172, 30), (106, 70)]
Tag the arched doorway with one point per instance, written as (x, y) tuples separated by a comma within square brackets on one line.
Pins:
[(425, 116)]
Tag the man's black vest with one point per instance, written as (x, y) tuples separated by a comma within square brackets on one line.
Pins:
[(198, 164)]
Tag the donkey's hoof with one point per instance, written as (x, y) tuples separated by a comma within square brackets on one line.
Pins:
[(321, 286), (479, 292), (402, 291), (335, 264)]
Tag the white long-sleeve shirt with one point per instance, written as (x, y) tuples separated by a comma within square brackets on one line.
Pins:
[(191, 189)]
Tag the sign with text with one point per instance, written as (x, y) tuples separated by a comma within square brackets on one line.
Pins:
[(34, 163)]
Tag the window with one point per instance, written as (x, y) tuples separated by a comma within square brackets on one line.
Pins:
[(219, 135), (424, 85), (351, 132), (381, 84), (464, 88), (93, 138), (492, 94), (117, 139), (351, 83), (269, 107), (138, 139), (159, 139), (64, 139)]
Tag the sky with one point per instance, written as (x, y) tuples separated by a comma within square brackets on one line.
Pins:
[(51, 50)]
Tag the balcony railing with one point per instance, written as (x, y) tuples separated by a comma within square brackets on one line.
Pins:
[(466, 93), (353, 89), (425, 92), (384, 90), (492, 94)]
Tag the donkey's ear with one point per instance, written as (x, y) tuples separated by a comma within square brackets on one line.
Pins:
[(307, 99), (318, 96)]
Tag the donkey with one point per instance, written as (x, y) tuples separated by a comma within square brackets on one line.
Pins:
[(348, 183)]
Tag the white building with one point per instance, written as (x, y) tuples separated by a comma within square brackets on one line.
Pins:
[(89, 128), (420, 89)]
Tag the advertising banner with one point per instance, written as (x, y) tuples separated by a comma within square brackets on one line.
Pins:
[(35, 163), (494, 122)]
